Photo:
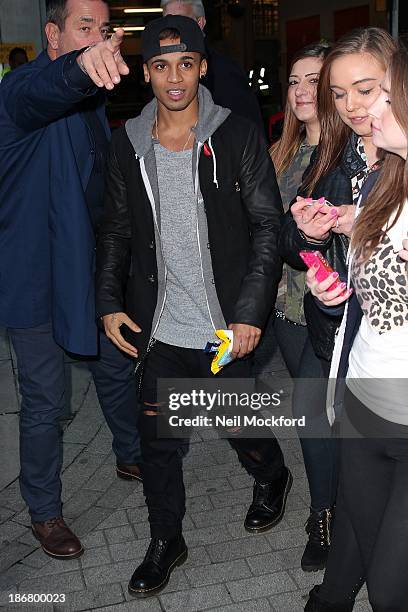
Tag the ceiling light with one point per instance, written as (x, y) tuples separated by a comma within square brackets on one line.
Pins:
[(131, 28), (143, 10)]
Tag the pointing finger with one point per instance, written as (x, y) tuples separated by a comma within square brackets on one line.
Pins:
[(116, 39), (121, 65)]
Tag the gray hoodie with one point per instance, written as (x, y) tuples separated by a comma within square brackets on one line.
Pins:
[(139, 131)]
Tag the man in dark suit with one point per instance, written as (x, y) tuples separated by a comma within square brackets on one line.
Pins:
[(225, 79), (54, 140)]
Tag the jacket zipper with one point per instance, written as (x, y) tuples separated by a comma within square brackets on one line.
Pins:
[(149, 192), (202, 275), (196, 187)]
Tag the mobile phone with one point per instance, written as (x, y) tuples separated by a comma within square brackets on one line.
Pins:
[(324, 270)]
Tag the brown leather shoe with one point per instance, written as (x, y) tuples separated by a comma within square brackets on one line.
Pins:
[(128, 472), (56, 539)]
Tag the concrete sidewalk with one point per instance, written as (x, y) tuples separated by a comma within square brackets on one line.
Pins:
[(227, 569)]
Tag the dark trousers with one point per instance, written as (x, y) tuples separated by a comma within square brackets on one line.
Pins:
[(40, 363), (319, 447), (370, 540), (162, 468)]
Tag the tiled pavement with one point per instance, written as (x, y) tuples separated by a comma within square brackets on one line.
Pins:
[(227, 570)]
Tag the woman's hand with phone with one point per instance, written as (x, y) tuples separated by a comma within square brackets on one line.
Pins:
[(321, 291), (314, 219)]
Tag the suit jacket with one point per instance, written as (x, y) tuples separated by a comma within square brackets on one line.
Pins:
[(47, 242)]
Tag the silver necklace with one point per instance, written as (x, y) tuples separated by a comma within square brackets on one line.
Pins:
[(189, 133)]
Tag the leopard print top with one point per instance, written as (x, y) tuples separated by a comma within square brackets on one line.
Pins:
[(381, 287)]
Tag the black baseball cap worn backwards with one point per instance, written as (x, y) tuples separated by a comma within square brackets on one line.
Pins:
[(191, 36)]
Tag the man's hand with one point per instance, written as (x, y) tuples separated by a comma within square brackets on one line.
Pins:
[(103, 62), (345, 219), (246, 339), (314, 220), (112, 324)]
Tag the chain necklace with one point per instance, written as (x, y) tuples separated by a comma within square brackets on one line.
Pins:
[(189, 133)]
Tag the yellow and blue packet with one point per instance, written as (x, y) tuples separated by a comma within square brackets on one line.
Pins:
[(222, 350)]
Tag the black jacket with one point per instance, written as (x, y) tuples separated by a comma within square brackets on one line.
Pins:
[(335, 187), (243, 215)]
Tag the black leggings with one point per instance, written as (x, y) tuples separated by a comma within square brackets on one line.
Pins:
[(370, 540)]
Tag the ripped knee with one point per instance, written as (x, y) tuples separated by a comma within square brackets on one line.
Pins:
[(151, 409), (234, 431)]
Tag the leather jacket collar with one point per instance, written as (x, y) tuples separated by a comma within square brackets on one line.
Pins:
[(351, 161)]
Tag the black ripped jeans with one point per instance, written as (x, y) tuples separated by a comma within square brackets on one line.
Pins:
[(162, 467)]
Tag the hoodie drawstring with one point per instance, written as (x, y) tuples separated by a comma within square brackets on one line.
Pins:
[(148, 187), (196, 179), (215, 180)]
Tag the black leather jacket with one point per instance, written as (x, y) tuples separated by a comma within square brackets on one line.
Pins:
[(335, 187), (243, 217)]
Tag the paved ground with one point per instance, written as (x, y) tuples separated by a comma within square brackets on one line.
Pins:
[(227, 569)]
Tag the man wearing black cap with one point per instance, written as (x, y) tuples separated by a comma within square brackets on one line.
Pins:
[(192, 197), (225, 79)]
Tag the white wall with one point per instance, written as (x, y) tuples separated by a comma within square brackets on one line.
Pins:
[(22, 21)]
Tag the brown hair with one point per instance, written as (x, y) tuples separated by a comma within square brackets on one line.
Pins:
[(391, 189), (57, 12), (170, 33), (293, 133), (334, 132)]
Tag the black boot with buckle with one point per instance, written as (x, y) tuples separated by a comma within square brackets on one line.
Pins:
[(318, 528)]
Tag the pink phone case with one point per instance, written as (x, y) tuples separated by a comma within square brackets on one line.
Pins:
[(312, 258)]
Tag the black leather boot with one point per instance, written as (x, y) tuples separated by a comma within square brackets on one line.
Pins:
[(318, 528), (315, 604), (153, 574), (268, 504)]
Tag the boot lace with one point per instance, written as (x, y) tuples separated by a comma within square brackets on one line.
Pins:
[(260, 495), (155, 551)]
